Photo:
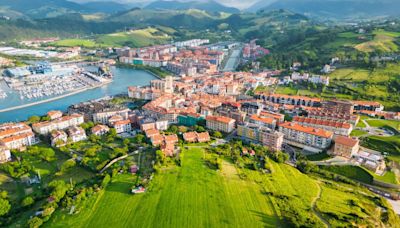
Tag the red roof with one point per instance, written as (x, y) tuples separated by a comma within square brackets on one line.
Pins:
[(308, 130), (347, 141)]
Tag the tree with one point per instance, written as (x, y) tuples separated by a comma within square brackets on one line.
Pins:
[(217, 134), (160, 156), (113, 133), (139, 138), (126, 142), (4, 206), (91, 152), (173, 129), (47, 154), (67, 165), (35, 222), (27, 201), (199, 128), (33, 119), (182, 129)]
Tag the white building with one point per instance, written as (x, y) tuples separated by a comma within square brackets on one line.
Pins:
[(62, 123), (77, 134)]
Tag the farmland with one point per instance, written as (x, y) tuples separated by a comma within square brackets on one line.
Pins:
[(181, 197), (192, 196)]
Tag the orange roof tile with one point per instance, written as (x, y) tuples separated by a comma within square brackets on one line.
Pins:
[(308, 130)]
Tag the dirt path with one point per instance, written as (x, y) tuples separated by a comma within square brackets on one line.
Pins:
[(315, 211)]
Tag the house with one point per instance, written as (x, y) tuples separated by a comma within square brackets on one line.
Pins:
[(54, 115), (156, 140), (100, 130), (151, 132), (337, 127), (77, 134), (190, 137), (171, 139), (263, 121), (346, 146), (5, 154), (103, 116), (113, 119), (220, 123), (59, 138), (262, 135), (123, 126), (203, 137)]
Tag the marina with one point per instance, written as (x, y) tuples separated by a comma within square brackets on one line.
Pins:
[(16, 109)]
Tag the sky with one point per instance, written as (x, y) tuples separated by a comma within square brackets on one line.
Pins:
[(241, 4)]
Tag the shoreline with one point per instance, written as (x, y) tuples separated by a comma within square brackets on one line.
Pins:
[(53, 98)]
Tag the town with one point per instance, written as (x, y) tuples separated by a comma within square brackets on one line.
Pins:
[(123, 119)]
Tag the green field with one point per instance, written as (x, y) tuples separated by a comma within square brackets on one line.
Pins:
[(358, 133), (382, 41), (136, 38), (191, 196), (390, 124), (352, 172), (196, 196)]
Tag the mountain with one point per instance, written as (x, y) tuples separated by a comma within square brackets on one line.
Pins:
[(105, 7), (260, 5), (341, 9), (209, 6)]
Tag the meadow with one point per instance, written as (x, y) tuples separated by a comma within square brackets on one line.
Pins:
[(194, 195)]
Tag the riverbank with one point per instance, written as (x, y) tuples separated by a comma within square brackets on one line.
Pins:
[(156, 72), (53, 98)]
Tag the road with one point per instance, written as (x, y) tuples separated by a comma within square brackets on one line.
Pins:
[(233, 60)]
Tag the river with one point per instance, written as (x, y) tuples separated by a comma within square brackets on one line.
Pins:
[(123, 77)]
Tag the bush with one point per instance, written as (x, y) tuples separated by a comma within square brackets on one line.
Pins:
[(105, 181), (27, 201), (35, 222), (67, 165), (4, 206)]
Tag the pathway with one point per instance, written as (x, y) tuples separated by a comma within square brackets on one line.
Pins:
[(315, 211)]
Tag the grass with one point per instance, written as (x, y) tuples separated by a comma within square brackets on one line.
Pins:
[(318, 157), (391, 124), (390, 145), (286, 90), (352, 172), (135, 38), (382, 41), (190, 196), (358, 133), (76, 42)]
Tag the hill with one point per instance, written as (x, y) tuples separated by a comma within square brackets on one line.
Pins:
[(209, 6), (105, 7), (341, 9)]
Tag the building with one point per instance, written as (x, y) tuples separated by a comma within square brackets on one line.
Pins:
[(190, 119), (59, 138), (220, 123), (292, 100), (16, 136), (62, 123), (371, 160), (123, 126), (104, 115), (77, 134), (262, 135), (166, 86), (340, 117), (346, 146), (192, 137), (309, 138), (368, 106), (5, 154), (231, 110), (337, 106), (100, 130), (263, 121), (337, 127), (54, 115)]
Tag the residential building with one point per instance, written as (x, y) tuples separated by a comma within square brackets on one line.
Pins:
[(62, 123), (104, 115), (262, 135), (346, 146), (54, 115), (100, 130), (231, 110), (59, 138), (337, 127), (309, 138), (190, 119), (263, 121), (5, 154), (338, 106), (192, 137), (372, 160), (16, 136), (123, 126), (220, 123), (77, 134), (368, 105)]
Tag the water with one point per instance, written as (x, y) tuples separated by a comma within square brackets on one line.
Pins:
[(123, 78)]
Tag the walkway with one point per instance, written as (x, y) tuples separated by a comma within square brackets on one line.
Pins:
[(314, 205)]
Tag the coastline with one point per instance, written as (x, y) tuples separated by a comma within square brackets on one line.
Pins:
[(135, 67), (53, 98)]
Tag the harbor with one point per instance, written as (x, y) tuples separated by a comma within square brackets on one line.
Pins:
[(16, 109)]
